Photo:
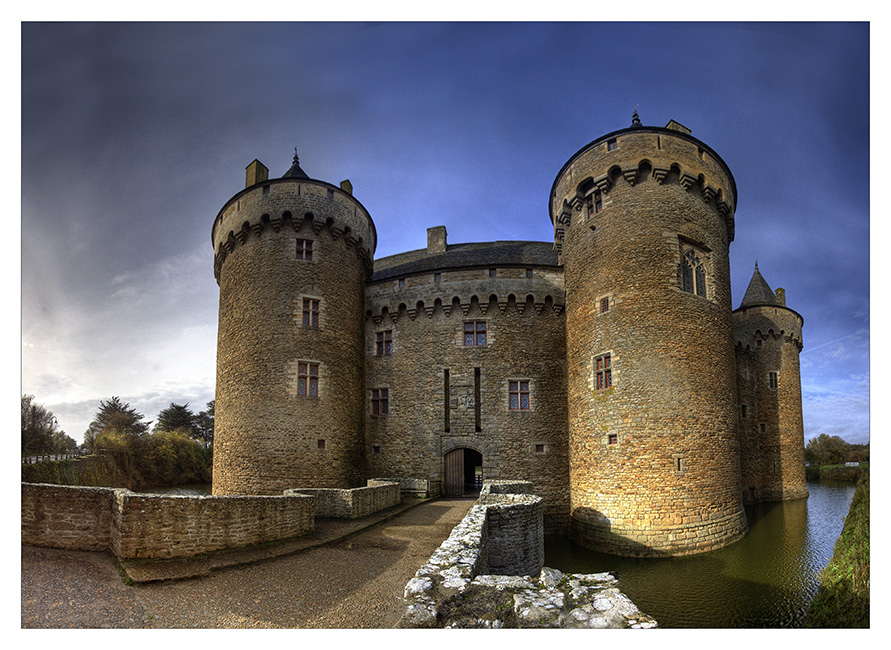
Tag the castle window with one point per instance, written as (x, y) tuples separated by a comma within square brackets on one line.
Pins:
[(519, 395), (612, 145), (437, 277), (763, 428), (475, 333), (693, 273), (612, 439), (321, 444), (384, 344), (528, 273), (772, 380), (492, 273), (604, 305), (265, 189), (539, 448), (594, 202), (680, 464), (375, 449), (603, 374), (743, 409), (308, 379), (304, 249), (330, 194), (380, 401), (310, 312)]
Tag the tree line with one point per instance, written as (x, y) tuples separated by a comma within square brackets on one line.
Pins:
[(177, 450), (832, 450)]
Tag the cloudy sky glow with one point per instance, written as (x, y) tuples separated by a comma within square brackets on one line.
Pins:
[(134, 136)]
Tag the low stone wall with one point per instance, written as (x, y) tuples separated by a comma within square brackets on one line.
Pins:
[(65, 517), (414, 487), (154, 526), (353, 503), (489, 573)]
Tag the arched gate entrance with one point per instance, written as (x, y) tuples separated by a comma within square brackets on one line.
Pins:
[(463, 472)]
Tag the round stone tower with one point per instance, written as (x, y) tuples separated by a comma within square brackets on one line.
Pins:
[(769, 340), (643, 221), (291, 257)]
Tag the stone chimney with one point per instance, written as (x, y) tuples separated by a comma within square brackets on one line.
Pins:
[(436, 240), (346, 186), (255, 173), (781, 297)]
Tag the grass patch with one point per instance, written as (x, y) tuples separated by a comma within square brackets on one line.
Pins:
[(842, 600)]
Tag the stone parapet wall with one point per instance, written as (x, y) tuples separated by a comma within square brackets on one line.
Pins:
[(353, 503), (76, 518), (413, 487), (152, 526), (490, 573)]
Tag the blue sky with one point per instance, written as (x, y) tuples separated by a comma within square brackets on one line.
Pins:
[(134, 135)]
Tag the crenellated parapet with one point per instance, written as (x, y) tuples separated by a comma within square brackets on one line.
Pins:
[(287, 205), (393, 308)]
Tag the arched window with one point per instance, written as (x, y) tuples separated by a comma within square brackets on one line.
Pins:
[(693, 273)]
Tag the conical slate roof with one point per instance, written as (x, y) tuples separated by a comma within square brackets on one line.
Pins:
[(759, 292), (295, 171)]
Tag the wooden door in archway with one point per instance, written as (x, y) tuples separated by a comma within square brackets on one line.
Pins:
[(461, 468)]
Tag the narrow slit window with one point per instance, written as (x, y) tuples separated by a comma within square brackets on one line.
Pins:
[(603, 372)]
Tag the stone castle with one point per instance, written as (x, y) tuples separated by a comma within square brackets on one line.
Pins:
[(608, 367)]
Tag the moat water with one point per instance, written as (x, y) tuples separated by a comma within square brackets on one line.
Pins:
[(765, 580)]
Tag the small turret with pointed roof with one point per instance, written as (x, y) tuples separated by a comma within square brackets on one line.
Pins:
[(759, 292), (295, 171)]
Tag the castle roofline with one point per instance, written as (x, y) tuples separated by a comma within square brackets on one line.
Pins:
[(471, 255), (292, 179), (637, 128), (773, 305)]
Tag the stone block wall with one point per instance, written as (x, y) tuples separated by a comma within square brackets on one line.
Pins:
[(76, 518), (152, 526), (414, 487), (355, 502)]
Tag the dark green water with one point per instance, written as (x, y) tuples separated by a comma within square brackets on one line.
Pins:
[(765, 580)]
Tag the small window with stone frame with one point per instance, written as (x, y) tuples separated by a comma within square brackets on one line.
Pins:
[(475, 333), (310, 312), (384, 343), (307, 379), (772, 380), (603, 373), (304, 249), (518, 392), (604, 305), (380, 402), (594, 202)]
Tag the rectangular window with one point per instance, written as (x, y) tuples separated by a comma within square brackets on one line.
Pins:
[(492, 273), (321, 444), (539, 448), (437, 277), (594, 202), (612, 145), (304, 249), (603, 374), (310, 312), (402, 283), (475, 332), (519, 395), (743, 409), (772, 380), (308, 379), (763, 428), (375, 449), (380, 401), (612, 439), (384, 343), (604, 305), (528, 273)]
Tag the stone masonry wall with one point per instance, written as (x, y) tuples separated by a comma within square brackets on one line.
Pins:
[(489, 573), (654, 465), (431, 377), (77, 518), (355, 502), (151, 526), (278, 428)]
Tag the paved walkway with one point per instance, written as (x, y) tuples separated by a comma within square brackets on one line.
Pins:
[(348, 574)]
